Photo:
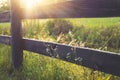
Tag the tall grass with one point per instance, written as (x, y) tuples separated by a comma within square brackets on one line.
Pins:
[(38, 67), (100, 33), (85, 32), (5, 29)]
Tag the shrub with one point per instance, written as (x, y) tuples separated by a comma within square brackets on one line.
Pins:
[(57, 26)]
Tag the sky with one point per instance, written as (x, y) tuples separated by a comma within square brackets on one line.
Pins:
[(2, 1), (29, 4)]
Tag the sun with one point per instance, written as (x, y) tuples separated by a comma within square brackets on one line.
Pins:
[(31, 4)]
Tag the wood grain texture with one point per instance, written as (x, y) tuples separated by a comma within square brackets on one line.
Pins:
[(5, 16), (5, 39), (107, 62), (16, 31)]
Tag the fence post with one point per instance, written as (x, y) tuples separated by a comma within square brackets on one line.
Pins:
[(16, 28)]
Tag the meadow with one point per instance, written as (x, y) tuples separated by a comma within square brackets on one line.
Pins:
[(98, 33)]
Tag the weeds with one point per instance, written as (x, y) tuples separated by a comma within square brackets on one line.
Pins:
[(73, 32)]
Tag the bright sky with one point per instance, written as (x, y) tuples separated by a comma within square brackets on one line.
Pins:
[(1, 2), (30, 4), (36, 1)]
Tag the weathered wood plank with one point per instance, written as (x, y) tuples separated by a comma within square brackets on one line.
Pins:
[(99, 60), (5, 39), (16, 31), (107, 62), (5, 16)]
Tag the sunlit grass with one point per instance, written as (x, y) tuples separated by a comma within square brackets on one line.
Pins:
[(38, 67), (96, 22), (5, 28)]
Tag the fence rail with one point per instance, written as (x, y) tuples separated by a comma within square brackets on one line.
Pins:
[(107, 62), (98, 60), (4, 16)]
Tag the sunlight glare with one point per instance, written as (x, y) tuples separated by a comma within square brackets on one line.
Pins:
[(30, 4)]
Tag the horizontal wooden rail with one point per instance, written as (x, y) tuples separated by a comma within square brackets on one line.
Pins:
[(107, 62), (5, 39), (71, 9), (5, 16)]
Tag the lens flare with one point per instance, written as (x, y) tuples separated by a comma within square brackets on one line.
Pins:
[(30, 4)]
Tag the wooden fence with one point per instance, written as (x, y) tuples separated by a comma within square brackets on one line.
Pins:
[(107, 62)]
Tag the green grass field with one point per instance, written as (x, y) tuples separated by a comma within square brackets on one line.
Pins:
[(99, 33)]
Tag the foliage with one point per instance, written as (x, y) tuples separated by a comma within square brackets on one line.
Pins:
[(4, 5), (96, 33), (5, 28), (58, 26), (99, 37), (39, 67)]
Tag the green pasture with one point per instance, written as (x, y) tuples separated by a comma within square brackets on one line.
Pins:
[(98, 33)]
